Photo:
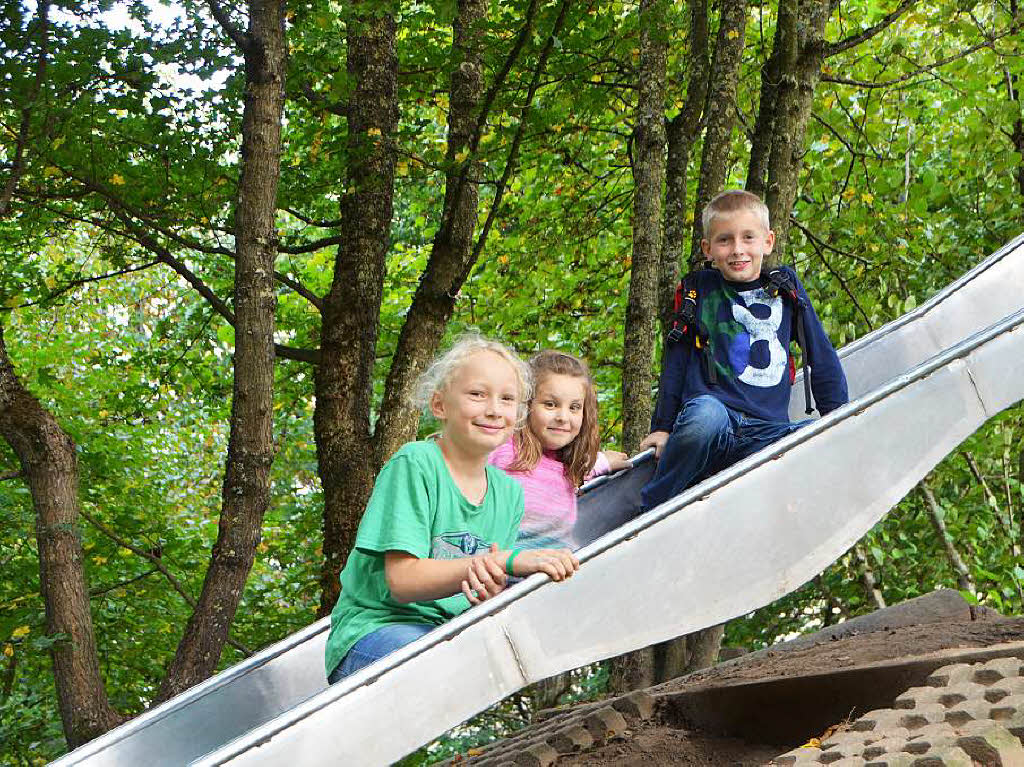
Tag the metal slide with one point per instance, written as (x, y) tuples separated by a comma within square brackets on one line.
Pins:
[(723, 557)]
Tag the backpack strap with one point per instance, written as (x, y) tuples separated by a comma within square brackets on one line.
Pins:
[(685, 322), (684, 310), (781, 283)]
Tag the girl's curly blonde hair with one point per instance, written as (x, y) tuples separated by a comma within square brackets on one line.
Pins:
[(439, 375)]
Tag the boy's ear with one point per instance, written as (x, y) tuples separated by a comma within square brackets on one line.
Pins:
[(705, 247), (770, 240), (437, 405)]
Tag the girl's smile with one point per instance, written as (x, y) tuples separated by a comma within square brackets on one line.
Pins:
[(479, 405), (556, 412)]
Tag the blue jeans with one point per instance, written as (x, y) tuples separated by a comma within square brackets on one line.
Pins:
[(376, 645), (706, 438)]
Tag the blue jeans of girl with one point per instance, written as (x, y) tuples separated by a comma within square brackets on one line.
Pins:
[(376, 645), (706, 438)]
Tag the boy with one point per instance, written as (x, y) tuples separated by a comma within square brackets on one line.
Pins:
[(724, 389)]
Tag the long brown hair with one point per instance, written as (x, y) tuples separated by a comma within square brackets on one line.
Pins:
[(579, 455)]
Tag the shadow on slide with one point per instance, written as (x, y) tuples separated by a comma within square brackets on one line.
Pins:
[(611, 501)]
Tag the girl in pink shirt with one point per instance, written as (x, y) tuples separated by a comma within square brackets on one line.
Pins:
[(556, 450)]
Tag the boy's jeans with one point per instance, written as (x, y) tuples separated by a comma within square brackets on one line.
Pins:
[(376, 645), (706, 438)]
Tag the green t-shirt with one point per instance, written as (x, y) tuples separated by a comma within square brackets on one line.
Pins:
[(416, 507)]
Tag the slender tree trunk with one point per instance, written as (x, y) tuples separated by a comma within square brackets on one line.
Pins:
[(867, 577), (963, 576), (771, 73), (803, 53), (246, 490), (1005, 521), (633, 671), (50, 467), (680, 655), (648, 175), (670, 657), (682, 133), (721, 112), (1013, 93), (642, 667), (702, 647), (351, 314)]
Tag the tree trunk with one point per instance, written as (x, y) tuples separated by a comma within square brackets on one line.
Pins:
[(1017, 136), (448, 265), (764, 127), (349, 465), (722, 112), (702, 648), (50, 467), (246, 489), (648, 176), (632, 671), (683, 130), (804, 52), (351, 313)]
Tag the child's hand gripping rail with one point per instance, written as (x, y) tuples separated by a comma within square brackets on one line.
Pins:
[(635, 461)]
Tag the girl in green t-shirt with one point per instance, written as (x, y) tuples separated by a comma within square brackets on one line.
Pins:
[(438, 531)]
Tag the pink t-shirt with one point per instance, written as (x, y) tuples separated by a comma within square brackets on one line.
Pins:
[(550, 498)]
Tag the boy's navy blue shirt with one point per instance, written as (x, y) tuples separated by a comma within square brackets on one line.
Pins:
[(749, 336)]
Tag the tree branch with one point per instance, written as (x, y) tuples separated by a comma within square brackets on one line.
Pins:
[(819, 248), (963, 575), (920, 70), (157, 565), (864, 35), (86, 280), (513, 153), (240, 38), (332, 224), (16, 474), (123, 211), (301, 289), (499, 79), (310, 247), (867, 577), (992, 501), (164, 255), (97, 592)]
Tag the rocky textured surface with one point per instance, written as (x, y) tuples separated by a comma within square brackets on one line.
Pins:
[(967, 714)]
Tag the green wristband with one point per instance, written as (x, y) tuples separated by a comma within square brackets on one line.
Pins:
[(508, 562)]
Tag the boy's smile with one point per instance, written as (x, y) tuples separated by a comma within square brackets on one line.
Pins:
[(737, 244)]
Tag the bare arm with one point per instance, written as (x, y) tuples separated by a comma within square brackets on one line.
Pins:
[(411, 579)]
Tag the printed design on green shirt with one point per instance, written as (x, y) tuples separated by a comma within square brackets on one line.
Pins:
[(457, 545), (736, 320)]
